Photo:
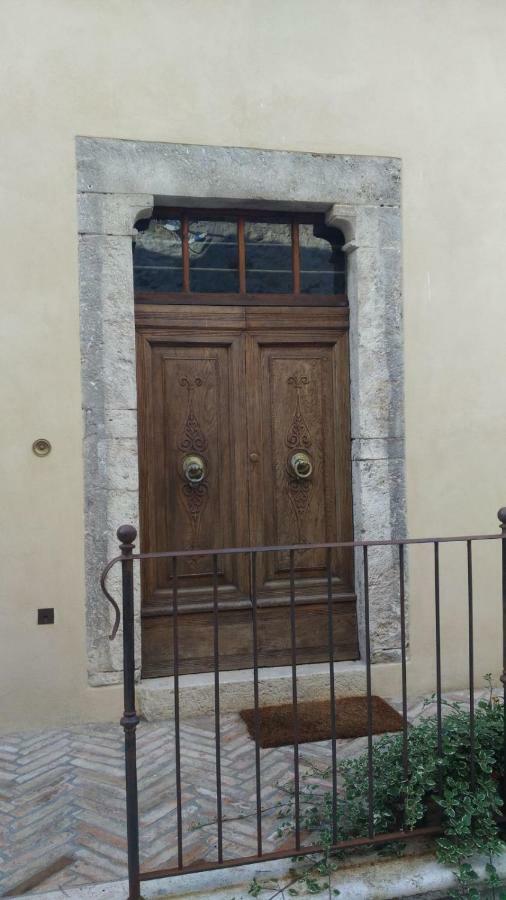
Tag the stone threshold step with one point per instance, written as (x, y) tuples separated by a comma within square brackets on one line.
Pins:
[(419, 876), (155, 696)]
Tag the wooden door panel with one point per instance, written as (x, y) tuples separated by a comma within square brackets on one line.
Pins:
[(244, 390), (193, 417), (299, 407), (192, 405), (196, 638)]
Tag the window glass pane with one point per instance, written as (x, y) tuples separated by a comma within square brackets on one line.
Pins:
[(158, 257), (213, 256), (268, 257), (322, 262)]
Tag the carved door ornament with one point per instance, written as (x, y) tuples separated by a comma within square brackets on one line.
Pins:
[(192, 446), (299, 463)]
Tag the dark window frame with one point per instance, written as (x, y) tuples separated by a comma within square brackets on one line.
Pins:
[(241, 297)]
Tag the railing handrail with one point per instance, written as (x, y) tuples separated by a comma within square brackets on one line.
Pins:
[(334, 545)]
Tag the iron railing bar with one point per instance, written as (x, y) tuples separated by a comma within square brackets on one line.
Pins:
[(285, 548), (370, 776), (439, 704), (127, 535), (107, 595), (472, 766), (217, 726), (402, 601), (256, 698), (293, 638), (177, 732), (288, 853), (127, 558), (332, 693)]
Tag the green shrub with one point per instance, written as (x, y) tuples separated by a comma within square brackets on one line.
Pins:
[(447, 790)]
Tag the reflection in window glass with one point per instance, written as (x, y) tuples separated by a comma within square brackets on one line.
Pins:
[(322, 262), (268, 257), (158, 257), (213, 256)]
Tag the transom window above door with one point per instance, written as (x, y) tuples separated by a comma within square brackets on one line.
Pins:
[(240, 257)]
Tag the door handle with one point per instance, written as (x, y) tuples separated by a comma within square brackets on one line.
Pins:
[(194, 469), (301, 464)]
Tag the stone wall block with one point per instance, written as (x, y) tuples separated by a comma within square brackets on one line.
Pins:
[(119, 458), (106, 275), (118, 365), (378, 294), (379, 514), (377, 397), (378, 227), (113, 214), (377, 448), (379, 495), (376, 351), (116, 423), (107, 323)]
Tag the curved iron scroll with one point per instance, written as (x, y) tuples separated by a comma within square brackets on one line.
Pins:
[(111, 600)]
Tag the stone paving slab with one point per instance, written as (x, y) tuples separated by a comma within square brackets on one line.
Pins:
[(62, 803), (419, 876)]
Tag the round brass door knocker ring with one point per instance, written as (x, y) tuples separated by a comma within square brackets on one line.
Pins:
[(194, 469), (301, 464)]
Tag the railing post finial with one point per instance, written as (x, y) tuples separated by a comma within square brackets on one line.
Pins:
[(127, 535)]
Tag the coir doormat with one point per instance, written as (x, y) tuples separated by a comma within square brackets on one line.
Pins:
[(314, 721)]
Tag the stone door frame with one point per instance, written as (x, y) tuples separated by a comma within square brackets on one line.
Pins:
[(119, 182)]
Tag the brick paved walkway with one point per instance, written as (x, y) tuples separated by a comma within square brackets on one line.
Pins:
[(62, 808)]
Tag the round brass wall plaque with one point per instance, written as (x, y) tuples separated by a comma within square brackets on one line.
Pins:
[(41, 447)]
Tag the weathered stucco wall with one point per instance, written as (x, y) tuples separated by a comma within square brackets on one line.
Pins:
[(422, 81)]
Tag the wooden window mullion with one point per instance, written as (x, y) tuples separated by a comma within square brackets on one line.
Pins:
[(241, 253), (185, 252), (295, 258)]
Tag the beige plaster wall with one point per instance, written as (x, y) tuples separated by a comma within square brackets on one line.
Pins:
[(419, 79)]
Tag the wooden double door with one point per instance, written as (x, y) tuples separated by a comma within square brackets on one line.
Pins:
[(244, 441)]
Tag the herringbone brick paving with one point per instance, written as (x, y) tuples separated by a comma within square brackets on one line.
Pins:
[(62, 803), (62, 798)]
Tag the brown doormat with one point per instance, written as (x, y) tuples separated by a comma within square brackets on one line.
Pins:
[(277, 725)]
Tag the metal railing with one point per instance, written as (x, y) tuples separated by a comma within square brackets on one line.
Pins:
[(127, 536)]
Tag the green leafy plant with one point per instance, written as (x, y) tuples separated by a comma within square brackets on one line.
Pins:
[(456, 783), (458, 789)]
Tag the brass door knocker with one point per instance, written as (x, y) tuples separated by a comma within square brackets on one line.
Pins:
[(301, 464), (194, 469)]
